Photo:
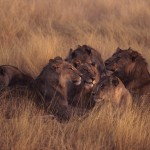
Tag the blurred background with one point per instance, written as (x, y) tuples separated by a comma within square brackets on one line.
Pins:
[(33, 31)]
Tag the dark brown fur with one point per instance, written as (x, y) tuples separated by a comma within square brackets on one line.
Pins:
[(80, 96), (87, 54), (131, 68), (11, 76), (52, 84)]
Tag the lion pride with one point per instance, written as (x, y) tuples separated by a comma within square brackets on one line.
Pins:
[(132, 69)]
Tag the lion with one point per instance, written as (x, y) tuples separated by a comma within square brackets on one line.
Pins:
[(52, 84), (80, 96), (87, 54), (11, 76), (89, 73), (111, 89), (132, 69)]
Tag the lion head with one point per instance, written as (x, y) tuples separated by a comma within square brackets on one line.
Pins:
[(105, 88), (65, 71), (82, 53), (111, 89), (87, 54), (89, 73), (126, 64)]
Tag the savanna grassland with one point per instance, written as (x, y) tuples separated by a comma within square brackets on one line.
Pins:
[(32, 32)]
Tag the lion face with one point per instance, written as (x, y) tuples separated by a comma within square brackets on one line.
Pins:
[(105, 90), (66, 71), (71, 73), (122, 62), (89, 73)]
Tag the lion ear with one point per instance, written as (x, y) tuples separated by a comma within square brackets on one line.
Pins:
[(118, 49), (51, 60), (70, 51), (130, 49), (115, 81), (77, 63), (55, 66), (54, 63), (58, 58)]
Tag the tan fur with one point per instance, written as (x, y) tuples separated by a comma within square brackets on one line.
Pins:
[(122, 97), (53, 84), (112, 90)]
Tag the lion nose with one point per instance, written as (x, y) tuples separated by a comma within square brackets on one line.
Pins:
[(93, 93), (80, 74), (93, 78)]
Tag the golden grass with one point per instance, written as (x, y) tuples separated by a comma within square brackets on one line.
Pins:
[(33, 31)]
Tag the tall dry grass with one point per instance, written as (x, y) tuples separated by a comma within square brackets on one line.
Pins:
[(33, 31)]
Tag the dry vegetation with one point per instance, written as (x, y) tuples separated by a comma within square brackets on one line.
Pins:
[(32, 31)]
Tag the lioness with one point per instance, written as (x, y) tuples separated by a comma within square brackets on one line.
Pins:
[(11, 76), (131, 68), (53, 83), (87, 54), (80, 96), (111, 89)]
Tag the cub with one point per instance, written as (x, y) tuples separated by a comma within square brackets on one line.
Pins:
[(111, 89)]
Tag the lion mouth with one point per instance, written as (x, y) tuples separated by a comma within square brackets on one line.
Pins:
[(77, 82), (98, 99), (88, 85), (111, 69)]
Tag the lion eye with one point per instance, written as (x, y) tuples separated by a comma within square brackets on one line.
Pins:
[(102, 86)]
